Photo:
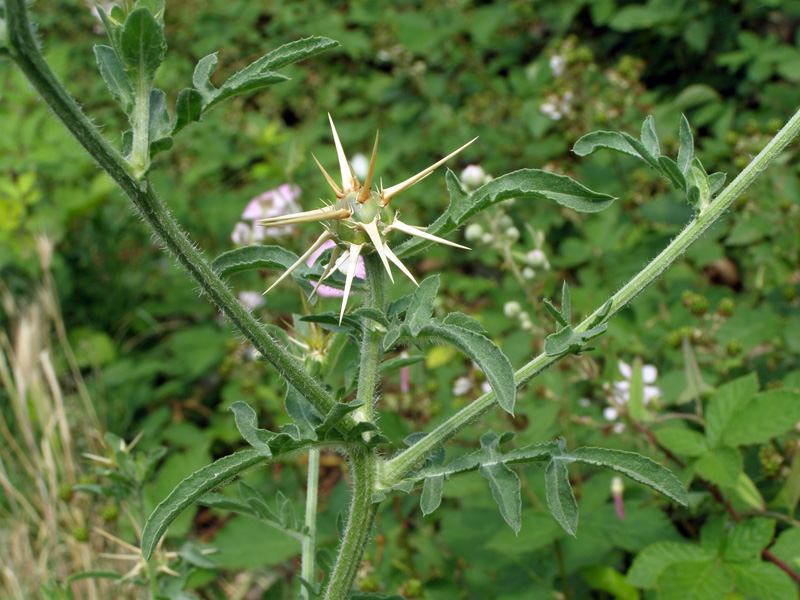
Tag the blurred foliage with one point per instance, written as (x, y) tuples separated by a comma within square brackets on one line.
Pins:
[(529, 78)]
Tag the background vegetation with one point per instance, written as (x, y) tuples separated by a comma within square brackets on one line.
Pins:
[(136, 353)]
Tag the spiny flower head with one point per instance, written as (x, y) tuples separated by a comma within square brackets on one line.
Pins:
[(359, 220)]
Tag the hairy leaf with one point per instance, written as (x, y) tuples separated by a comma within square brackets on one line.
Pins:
[(560, 498), (247, 424), (188, 108), (650, 137), (114, 75), (525, 183), (201, 79), (637, 467), (160, 128), (503, 482), (686, 151), (261, 257), (142, 45), (421, 308), (192, 488)]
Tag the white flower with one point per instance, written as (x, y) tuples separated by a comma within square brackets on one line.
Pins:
[(557, 65), (528, 273), (549, 110), (461, 386), (486, 387), (251, 300), (610, 413), (622, 389), (473, 176), (537, 258)]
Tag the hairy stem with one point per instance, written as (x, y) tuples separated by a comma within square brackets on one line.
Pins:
[(397, 468), (371, 353), (26, 55), (307, 566), (363, 465)]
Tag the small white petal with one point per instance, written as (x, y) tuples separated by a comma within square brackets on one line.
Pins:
[(651, 392), (610, 413), (649, 373), (625, 369)]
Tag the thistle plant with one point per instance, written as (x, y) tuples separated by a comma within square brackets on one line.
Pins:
[(326, 412)]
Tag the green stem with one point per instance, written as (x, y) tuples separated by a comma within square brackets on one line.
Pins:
[(363, 465), (307, 567), (27, 56), (395, 469), (140, 147), (372, 335)]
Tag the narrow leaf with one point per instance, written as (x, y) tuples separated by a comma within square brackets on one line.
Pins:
[(673, 173), (201, 79), (247, 424), (604, 140), (261, 257), (160, 128), (459, 319), (560, 498), (142, 45), (525, 183), (716, 181), (192, 488), (642, 150), (566, 303), (686, 151), (637, 467), (650, 137), (244, 81), (555, 313), (293, 52), (114, 75), (302, 413), (421, 308)]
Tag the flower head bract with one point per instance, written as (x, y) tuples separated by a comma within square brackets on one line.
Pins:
[(359, 220)]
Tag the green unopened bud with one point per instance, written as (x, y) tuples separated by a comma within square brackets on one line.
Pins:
[(109, 513), (733, 348), (770, 460), (81, 534), (412, 588), (487, 238), (789, 293), (369, 585), (726, 307), (65, 492)]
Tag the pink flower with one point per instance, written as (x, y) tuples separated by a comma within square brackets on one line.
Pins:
[(325, 290), (273, 203)]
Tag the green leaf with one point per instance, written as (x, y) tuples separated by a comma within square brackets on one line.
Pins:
[(192, 488), (673, 173), (608, 579), (503, 482), (787, 547), (421, 308), (214, 500), (685, 442), (555, 313), (201, 79), (721, 466), (686, 151), (716, 181), (651, 562), (636, 399), (302, 413), (568, 341), (724, 404), (393, 364), (702, 580), (642, 150), (637, 467), (339, 411), (114, 75), (560, 498), (156, 8), (431, 496), (604, 140), (142, 45), (482, 351), (763, 581), (243, 81), (748, 538), (373, 314), (768, 415), (459, 319), (113, 28), (650, 137), (294, 52), (188, 109), (261, 257), (247, 424), (525, 183), (160, 128), (696, 176), (566, 303)]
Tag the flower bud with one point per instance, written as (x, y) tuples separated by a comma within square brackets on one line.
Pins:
[(512, 233), (528, 273), (473, 176), (473, 232), (487, 238), (536, 258), (512, 309)]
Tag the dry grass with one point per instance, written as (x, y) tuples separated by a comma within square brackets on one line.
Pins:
[(40, 450)]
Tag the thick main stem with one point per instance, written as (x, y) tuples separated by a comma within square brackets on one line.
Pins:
[(363, 465), (399, 466), (26, 55)]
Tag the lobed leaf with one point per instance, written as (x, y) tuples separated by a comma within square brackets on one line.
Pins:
[(637, 467), (247, 424), (525, 183), (420, 309), (188, 109), (192, 488)]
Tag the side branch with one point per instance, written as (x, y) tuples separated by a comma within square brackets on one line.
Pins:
[(400, 465)]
